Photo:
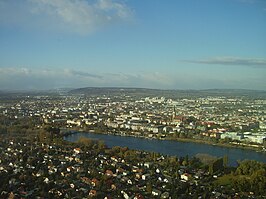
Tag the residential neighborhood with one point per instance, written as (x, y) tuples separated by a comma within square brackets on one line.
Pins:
[(30, 169)]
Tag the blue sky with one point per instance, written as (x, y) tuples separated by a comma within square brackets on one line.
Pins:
[(174, 44)]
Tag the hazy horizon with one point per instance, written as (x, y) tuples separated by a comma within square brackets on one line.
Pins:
[(180, 45), (112, 87)]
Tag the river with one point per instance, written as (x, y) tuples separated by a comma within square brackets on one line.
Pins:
[(176, 148)]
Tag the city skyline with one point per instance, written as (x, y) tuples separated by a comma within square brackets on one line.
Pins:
[(49, 44)]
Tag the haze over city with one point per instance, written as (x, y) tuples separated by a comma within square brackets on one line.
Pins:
[(48, 44)]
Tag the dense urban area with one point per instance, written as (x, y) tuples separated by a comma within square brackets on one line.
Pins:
[(35, 161)]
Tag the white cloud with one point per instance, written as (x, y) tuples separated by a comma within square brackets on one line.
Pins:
[(121, 10), (75, 16), (81, 16)]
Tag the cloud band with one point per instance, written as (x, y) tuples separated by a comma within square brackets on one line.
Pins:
[(250, 62)]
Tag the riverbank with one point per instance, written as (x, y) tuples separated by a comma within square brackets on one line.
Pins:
[(228, 145), (236, 145)]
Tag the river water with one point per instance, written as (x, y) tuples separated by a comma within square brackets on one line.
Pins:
[(176, 148)]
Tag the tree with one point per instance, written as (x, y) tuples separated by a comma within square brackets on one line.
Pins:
[(215, 166), (225, 161), (248, 167), (258, 182), (185, 161), (101, 145), (250, 176), (149, 187), (52, 130), (86, 142)]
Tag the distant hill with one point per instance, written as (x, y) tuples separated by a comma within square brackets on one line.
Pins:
[(114, 91), (143, 92), (168, 93)]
